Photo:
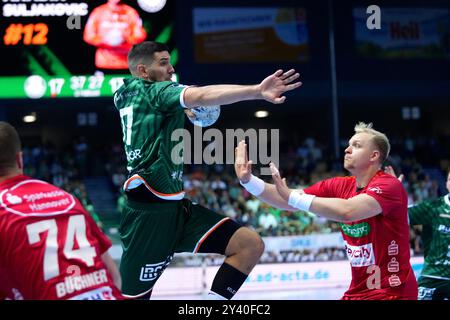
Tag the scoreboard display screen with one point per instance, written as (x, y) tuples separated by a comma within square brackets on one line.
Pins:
[(75, 48)]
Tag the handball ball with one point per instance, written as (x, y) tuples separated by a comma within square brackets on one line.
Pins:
[(35, 87), (205, 116)]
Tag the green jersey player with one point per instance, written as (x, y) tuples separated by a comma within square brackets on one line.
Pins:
[(434, 216), (156, 221)]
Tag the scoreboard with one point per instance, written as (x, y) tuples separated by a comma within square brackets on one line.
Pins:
[(75, 48)]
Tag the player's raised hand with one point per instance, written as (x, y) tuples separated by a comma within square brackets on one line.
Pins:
[(242, 165), (390, 170), (280, 183), (278, 83)]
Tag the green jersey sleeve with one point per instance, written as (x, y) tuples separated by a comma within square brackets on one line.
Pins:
[(421, 213), (167, 96)]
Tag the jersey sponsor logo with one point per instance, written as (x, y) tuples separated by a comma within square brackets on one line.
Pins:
[(133, 155), (12, 199), (150, 272), (376, 190), (125, 94), (393, 248), (35, 197), (393, 266), (443, 229), (177, 175), (426, 293), (360, 256), (394, 280), (103, 293), (356, 230)]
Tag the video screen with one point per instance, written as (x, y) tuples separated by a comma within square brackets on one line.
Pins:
[(70, 48)]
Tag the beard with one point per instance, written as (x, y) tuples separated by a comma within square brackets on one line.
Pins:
[(155, 77)]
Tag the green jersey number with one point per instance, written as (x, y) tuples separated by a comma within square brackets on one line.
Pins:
[(126, 116)]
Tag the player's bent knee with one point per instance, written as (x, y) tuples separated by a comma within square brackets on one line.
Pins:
[(246, 241), (256, 244)]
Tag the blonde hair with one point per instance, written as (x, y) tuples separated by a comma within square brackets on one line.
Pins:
[(379, 139)]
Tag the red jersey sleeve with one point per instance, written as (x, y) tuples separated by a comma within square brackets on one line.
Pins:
[(325, 188), (389, 193)]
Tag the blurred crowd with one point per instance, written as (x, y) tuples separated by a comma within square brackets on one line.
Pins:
[(65, 168), (217, 188)]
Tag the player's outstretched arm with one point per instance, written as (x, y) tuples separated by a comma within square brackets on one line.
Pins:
[(270, 89), (357, 208), (264, 191)]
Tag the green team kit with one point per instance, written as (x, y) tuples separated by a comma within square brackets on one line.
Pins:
[(151, 232), (150, 112), (434, 215)]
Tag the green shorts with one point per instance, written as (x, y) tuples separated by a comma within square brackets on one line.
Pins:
[(152, 232), (433, 289)]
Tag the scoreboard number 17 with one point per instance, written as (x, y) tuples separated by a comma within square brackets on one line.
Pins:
[(56, 86)]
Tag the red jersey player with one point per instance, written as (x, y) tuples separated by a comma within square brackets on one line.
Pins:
[(371, 206), (113, 28), (50, 247)]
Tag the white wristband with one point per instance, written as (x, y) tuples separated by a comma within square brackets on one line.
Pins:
[(255, 185), (300, 201)]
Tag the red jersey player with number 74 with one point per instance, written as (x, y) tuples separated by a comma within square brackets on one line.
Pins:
[(371, 207), (50, 247)]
